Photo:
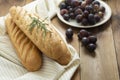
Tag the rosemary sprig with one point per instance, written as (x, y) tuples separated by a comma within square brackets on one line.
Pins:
[(39, 24)]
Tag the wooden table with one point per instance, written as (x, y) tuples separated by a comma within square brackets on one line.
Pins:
[(105, 64)]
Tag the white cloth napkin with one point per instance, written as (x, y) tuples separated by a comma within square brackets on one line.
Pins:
[(12, 69)]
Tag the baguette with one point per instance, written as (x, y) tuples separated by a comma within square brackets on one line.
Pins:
[(43, 35), (28, 53)]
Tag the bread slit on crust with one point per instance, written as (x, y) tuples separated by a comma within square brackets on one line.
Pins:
[(51, 43), (30, 56)]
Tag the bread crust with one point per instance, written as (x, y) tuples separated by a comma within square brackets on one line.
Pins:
[(30, 56), (52, 45)]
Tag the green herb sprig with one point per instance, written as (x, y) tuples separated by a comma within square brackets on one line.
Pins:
[(39, 24)]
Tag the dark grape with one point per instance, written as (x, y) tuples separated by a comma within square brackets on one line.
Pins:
[(102, 9), (66, 17), (83, 33), (63, 11), (89, 33), (91, 47), (75, 8), (96, 7), (85, 13), (96, 2), (69, 33), (91, 19), (62, 5), (78, 11), (70, 10), (79, 36), (72, 15), (90, 16), (97, 17), (79, 18), (89, 8), (68, 2), (80, 2), (84, 21), (92, 39), (68, 7), (75, 3), (85, 41), (89, 1)]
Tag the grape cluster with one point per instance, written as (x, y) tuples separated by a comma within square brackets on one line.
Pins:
[(87, 12), (87, 39)]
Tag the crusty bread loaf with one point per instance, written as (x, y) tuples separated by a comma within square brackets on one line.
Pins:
[(43, 35), (28, 53)]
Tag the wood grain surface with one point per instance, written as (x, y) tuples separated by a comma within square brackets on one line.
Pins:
[(104, 64)]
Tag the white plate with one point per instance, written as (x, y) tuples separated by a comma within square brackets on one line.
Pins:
[(73, 23)]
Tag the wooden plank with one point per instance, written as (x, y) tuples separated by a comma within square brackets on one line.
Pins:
[(103, 64), (75, 43), (28, 1), (6, 4), (115, 5)]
